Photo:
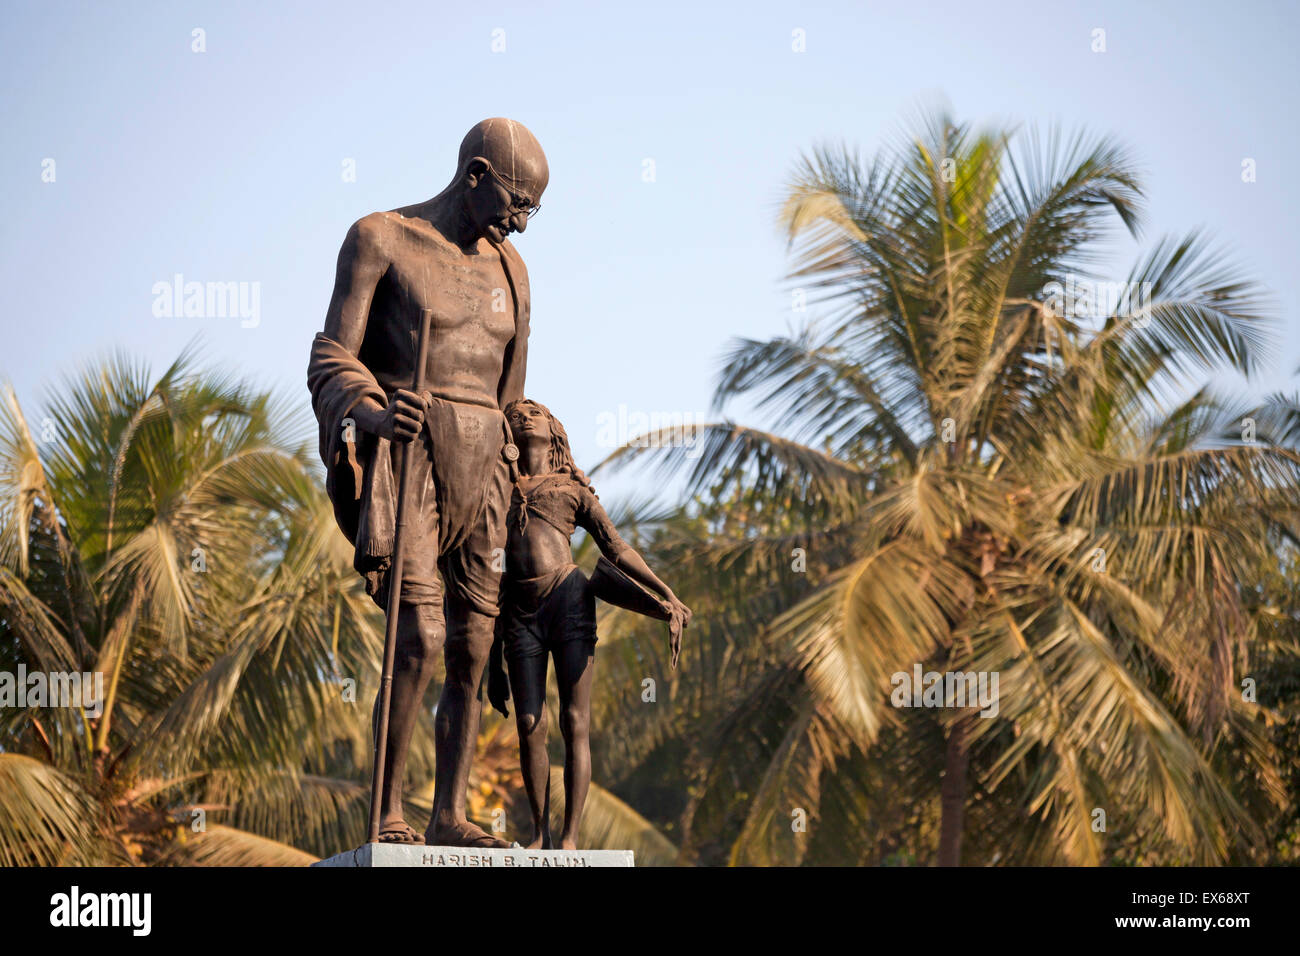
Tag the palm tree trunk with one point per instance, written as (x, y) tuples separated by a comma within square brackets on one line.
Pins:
[(952, 794)]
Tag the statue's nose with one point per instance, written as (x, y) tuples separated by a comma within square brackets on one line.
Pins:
[(520, 221)]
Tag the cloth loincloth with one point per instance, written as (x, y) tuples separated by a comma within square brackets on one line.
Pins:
[(459, 488)]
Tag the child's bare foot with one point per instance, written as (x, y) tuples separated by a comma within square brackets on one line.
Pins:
[(541, 839), (568, 843)]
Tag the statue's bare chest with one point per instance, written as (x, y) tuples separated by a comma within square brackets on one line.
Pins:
[(462, 290)]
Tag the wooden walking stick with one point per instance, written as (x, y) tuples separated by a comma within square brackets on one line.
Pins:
[(395, 587)]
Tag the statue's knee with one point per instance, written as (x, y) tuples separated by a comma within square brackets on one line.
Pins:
[(575, 721), (470, 642), (420, 637), (432, 630), (530, 723), (480, 635)]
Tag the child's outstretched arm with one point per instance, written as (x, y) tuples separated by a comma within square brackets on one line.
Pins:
[(595, 521)]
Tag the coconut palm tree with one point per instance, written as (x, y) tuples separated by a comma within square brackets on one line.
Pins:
[(168, 535), (969, 466)]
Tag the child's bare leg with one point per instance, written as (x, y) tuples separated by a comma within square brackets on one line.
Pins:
[(528, 684), (575, 664)]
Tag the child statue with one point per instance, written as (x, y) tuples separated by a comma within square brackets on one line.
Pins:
[(548, 607)]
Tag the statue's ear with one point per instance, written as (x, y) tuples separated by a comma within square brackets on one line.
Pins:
[(475, 170)]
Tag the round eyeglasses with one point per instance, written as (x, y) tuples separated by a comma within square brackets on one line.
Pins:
[(518, 204)]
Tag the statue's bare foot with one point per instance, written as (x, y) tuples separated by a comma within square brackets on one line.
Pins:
[(464, 834), (397, 831), (568, 843)]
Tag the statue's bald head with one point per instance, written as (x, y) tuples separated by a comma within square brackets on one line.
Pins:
[(513, 152)]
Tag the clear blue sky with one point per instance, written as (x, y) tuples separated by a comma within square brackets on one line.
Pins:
[(226, 165)]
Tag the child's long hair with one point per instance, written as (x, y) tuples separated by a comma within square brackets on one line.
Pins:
[(561, 454)]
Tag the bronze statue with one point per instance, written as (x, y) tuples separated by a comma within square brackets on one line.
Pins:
[(447, 258), (549, 608)]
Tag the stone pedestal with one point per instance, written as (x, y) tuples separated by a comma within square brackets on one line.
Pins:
[(395, 854)]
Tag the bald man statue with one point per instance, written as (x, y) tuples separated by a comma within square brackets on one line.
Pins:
[(449, 255)]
